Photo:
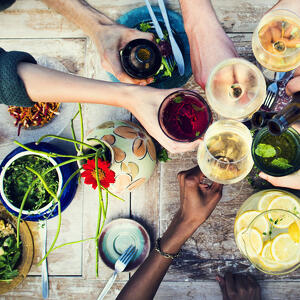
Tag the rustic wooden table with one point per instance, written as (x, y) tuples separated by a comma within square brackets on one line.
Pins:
[(30, 26)]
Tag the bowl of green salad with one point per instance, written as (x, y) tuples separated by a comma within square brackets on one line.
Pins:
[(15, 262), (18, 177)]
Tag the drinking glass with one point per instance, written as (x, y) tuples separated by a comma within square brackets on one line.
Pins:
[(225, 154), (267, 231), (276, 155), (236, 89), (184, 116), (276, 41)]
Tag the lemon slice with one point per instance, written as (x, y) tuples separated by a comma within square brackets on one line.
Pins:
[(284, 249), (287, 203), (267, 259), (294, 232), (243, 221), (252, 241), (267, 198)]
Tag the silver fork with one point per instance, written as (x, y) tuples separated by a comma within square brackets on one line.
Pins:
[(120, 266), (45, 282)]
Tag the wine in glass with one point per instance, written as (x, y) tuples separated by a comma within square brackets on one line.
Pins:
[(225, 154), (184, 116), (276, 41), (236, 89)]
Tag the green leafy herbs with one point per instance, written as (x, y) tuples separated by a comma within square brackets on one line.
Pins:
[(272, 226), (178, 99), (197, 133), (18, 179), (197, 108), (9, 252), (265, 150), (281, 163), (144, 26), (163, 155)]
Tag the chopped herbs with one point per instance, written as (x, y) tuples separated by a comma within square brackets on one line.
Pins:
[(163, 155), (9, 252), (265, 150), (197, 108), (281, 163), (197, 133), (17, 180), (178, 99)]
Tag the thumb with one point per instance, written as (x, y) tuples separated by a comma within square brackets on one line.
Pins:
[(222, 285), (293, 86), (273, 180)]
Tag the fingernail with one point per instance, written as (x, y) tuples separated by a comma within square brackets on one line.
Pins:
[(262, 175)]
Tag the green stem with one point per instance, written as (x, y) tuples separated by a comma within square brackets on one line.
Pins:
[(71, 243), (59, 215), (66, 140), (106, 202), (100, 209), (112, 194), (81, 126), (20, 212), (73, 131)]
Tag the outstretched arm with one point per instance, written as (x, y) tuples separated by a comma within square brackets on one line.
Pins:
[(209, 43), (108, 36), (197, 201)]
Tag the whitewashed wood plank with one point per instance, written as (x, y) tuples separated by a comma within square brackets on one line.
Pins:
[(94, 115), (31, 18)]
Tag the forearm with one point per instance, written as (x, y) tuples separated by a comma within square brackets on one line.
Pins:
[(80, 13), (292, 5), (46, 85), (146, 280)]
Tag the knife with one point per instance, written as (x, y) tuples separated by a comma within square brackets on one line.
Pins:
[(154, 20), (45, 282), (175, 49)]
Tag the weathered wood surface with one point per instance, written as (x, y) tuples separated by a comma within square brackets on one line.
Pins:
[(30, 26)]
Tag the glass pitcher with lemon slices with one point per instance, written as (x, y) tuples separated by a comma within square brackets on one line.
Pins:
[(267, 231)]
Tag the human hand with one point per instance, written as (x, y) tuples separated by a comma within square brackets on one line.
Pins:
[(291, 181), (110, 39), (144, 103), (197, 200), (293, 86), (237, 287)]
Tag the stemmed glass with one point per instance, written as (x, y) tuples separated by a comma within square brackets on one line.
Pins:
[(276, 41), (236, 89), (225, 154)]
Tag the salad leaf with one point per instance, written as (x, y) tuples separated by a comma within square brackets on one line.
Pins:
[(144, 26), (265, 150), (163, 155), (281, 163), (178, 99)]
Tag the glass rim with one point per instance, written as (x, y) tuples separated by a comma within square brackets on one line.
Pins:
[(200, 98), (234, 60), (258, 27), (227, 163)]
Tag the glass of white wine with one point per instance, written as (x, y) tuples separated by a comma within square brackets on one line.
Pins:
[(225, 154), (276, 41), (235, 89)]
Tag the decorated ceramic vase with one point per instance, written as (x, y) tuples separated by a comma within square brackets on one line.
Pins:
[(133, 153)]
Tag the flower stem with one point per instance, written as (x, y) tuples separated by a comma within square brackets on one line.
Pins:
[(81, 126), (73, 131), (66, 140), (114, 195), (72, 243)]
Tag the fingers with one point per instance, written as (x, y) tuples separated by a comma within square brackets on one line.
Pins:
[(216, 187), (222, 285), (290, 181), (293, 85)]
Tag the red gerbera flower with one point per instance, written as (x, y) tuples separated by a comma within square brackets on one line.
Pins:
[(106, 176)]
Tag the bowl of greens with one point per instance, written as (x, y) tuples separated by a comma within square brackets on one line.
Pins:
[(19, 172), (277, 155), (15, 262)]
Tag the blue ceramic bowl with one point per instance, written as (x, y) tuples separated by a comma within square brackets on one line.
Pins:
[(66, 171), (138, 15)]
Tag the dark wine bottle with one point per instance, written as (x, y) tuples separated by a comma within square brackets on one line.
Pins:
[(289, 115), (141, 58), (261, 118)]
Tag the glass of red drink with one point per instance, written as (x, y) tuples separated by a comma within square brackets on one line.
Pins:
[(184, 116)]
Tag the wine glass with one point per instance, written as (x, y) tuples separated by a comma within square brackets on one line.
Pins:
[(236, 89), (276, 41), (225, 154)]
